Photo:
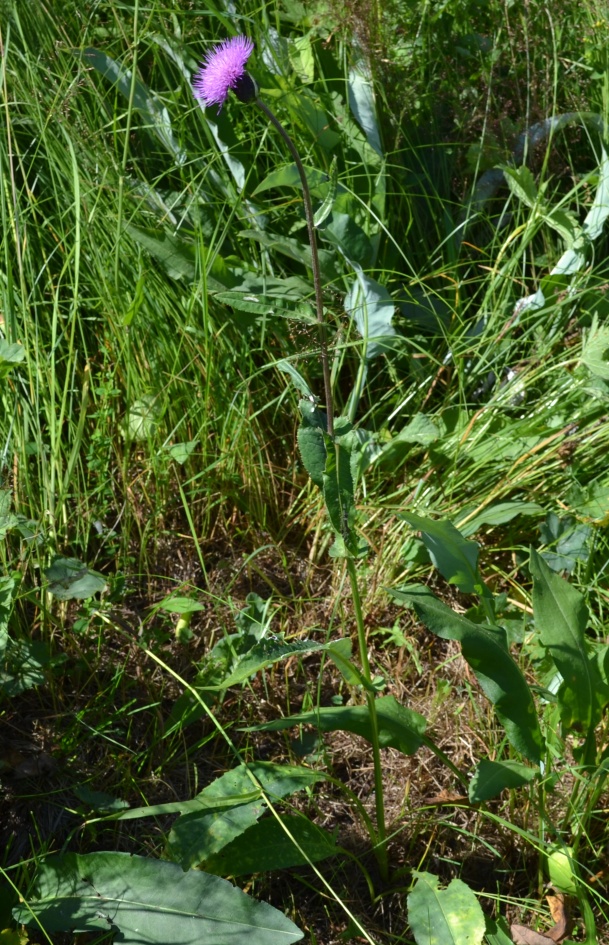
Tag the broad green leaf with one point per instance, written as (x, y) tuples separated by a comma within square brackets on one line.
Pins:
[(522, 184), (345, 233), (399, 727), (267, 305), (420, 430), (492, 777), (180, 452), (197, 836), (312, 447), (288, 176), (200, 804), (371, 307), (301, 56), (361, 102), (144, 100), (450, 916), (338, 490), (70, 579), (177, 256), (179, 605), (270, 650), (485, 650), (561, 618), (562, 870), (24, 666), (455, 557), (595, 350), (266, 846), (99, 800), (10, 356), (294, 249), (142, 418), (498, 514), (146, 900)]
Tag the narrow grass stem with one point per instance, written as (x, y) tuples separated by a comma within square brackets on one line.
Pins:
[(381, 846), (319, 305)]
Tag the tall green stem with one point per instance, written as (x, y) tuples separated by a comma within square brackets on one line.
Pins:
[(319, 305), (381, 850)]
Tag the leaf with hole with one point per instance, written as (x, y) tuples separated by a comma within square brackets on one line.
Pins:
[(146, 900), (450, 916)]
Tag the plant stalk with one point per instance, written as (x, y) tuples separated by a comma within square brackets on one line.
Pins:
[(319, 305), (379, 800)]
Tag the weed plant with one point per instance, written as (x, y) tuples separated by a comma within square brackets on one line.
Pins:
[(178, 599)]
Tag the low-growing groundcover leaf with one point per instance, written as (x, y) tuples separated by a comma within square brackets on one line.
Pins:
[(198, 835), (147, 900), (450, 916), (70, 579), (486, 651), (267, 846)]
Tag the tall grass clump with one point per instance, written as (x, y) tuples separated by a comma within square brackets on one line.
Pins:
[(303, 492)]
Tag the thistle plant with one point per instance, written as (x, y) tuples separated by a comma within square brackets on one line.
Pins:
[(326, 459)]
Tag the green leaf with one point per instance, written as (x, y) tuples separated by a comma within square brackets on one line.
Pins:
[(288, 176), (312, 447), (492, 777), (297, 379), (497, 932), (485, 650), (294, 249), (180, 452), (197, 836), (562, 870), (325, 209), (25, 663), (338, 490), (177, 256), (455, 557), (266, 846), (10, 356), (179, 605), (7, 586), (151, 108), (70, 579), (595, 350), (270, 650), (399, 727), (561, 618), (522, 184), (419, 430), (301, 56), (450, 916), (142, 418), (267, 305), (345, 233), (145, 900), (362, 104), (371, 307), (499, 514)]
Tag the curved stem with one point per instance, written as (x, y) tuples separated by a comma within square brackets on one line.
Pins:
[(319, 306), (381, 847)]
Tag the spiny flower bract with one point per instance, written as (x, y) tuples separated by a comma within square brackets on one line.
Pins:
[(223, 69)]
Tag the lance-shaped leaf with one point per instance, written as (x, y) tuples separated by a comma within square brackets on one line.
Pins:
[(455, 557), (371, 307), (145, 900), (561, 617), (399, 727), (485, 649), (492, 777)]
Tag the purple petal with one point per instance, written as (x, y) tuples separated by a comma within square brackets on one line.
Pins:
[(222, 68)]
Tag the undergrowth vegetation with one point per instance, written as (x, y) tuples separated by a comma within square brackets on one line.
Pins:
[(360, 669)]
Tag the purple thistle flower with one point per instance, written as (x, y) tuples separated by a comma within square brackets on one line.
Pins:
[(223, 69)]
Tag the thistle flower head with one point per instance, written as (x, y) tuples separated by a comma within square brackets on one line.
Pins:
[(223, 69)]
